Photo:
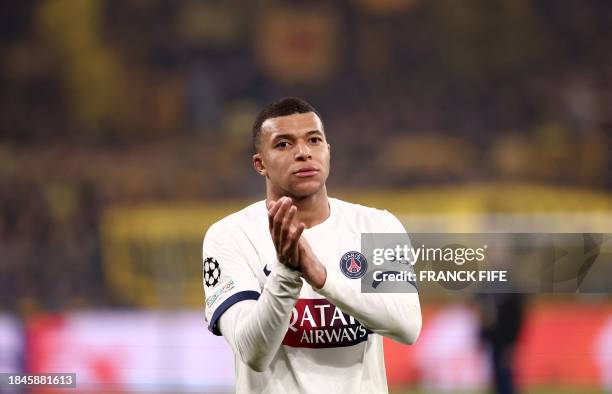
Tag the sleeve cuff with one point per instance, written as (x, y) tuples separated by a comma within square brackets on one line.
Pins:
[(285, 272), (329, 287), (241, 296)]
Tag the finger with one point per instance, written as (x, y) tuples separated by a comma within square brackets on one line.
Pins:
[(272, 209), (298, 232), (295, 236), (285, 239), (277, 222), (295, 240)]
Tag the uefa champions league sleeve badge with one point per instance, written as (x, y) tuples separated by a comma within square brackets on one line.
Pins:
[(212, 271)]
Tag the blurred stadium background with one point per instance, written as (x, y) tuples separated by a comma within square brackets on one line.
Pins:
[(125, 132)]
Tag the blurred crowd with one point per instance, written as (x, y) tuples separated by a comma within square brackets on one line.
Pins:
[(110, 101)]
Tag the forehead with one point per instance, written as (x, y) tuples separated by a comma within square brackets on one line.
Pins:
[(292, 124)]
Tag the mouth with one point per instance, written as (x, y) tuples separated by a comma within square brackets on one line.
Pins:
[(306, 172)]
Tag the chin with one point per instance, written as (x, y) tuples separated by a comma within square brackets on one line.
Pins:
[(306, 190)]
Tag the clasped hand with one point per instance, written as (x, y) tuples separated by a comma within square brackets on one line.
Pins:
[(292, 249)]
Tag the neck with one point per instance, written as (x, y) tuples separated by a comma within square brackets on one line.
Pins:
[(312, 210)]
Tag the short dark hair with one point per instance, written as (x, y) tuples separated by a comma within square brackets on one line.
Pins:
[(283, 107)]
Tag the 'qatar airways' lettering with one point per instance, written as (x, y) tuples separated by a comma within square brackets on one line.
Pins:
[(317, 323)]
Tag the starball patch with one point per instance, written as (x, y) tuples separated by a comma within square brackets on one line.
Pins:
[(212, 272)]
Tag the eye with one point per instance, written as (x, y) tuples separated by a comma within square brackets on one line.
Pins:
[(282, 144), (316, 140)]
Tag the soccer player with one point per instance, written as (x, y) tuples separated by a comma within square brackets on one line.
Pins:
[(281, 275)]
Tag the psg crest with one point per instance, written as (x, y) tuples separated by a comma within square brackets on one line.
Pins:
[(353, 265)]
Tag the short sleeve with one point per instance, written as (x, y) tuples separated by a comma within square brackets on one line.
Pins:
[(227, 275)]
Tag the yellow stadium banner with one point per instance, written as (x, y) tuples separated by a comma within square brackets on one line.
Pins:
[(152, 252)]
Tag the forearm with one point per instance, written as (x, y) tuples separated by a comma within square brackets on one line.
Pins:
[(255, 329), (394, 315)]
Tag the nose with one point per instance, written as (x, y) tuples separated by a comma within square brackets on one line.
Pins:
[(302, 151)]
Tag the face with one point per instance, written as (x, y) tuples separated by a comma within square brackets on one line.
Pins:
[(293, 155)]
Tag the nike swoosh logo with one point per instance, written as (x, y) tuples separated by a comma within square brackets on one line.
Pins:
[(267, 272)]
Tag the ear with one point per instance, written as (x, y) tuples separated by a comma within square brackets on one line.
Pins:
[(258, 164)]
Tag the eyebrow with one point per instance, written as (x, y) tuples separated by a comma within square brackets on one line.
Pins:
[(291, 136)]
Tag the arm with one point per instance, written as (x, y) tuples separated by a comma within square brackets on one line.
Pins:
[(394, 315), (254, 325), (255, 329)]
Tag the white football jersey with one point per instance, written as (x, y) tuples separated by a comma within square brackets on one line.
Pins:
[(323, 349)]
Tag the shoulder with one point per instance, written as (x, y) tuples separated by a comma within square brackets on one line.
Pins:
[(381, 220), (237, 222)]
